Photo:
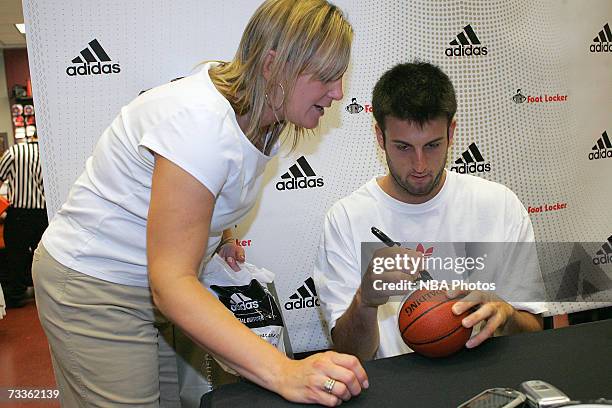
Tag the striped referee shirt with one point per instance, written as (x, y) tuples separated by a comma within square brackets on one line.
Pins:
[(20, 168)]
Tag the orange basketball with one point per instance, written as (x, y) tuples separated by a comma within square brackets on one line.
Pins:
[(428, 325)]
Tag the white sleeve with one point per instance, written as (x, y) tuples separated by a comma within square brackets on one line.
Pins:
[(336, 271), (525, 276), (197, 142)]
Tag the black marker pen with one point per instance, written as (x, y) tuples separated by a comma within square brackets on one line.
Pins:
[(384, 238), (424, 275)]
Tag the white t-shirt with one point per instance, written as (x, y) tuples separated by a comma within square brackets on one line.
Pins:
[(467, 209), (101, 229)]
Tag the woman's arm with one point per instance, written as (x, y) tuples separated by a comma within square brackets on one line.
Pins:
[(177, 233)]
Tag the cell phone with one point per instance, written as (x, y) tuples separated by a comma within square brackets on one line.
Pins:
[(495, 398), (542, 394)]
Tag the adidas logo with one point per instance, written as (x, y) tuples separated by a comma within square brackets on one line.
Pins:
[(239, 302), (466, 44), (299, 176), (426, 252), (304, 297), (601, 43), (604, 255), (91, 61), (603, 148), (471, 161)]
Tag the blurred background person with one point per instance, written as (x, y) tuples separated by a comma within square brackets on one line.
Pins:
[(26, 217)]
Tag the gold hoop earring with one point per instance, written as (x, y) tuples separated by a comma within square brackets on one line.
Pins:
[(282, 101)]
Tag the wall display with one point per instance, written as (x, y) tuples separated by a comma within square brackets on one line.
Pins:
[(20, 134), (16, 109), (22, 113), (19, 92), (534, 92)]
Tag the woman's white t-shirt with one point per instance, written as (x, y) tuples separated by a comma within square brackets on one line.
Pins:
[(101, 229)]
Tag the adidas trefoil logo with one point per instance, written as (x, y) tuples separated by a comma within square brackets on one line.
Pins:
[(239, 302), (471, 161), (299, 176), (466, 44), (304, 297), (604, 255), (426, 252), (602, 149), (91, 61), (603, 41)]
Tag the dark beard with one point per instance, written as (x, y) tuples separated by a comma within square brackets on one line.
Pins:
[(408, 189)]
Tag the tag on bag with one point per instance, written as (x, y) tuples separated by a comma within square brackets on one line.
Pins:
[(244, 293)]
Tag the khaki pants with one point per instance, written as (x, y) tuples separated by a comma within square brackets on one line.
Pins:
[(106, 340)]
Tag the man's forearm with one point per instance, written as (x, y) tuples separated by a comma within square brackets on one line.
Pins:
[(523, 321), (356, 332)]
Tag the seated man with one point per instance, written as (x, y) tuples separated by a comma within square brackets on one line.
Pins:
[(417, 201)]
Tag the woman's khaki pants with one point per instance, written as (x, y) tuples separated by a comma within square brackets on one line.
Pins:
[(106, 340)]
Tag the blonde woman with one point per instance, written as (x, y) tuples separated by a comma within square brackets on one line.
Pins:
[(178, 166)]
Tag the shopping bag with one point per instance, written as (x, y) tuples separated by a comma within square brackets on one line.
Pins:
[(245, 294)]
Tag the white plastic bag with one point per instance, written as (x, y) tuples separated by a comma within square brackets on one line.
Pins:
[(245, 294)]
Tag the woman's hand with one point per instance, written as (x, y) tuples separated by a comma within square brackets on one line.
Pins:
[(232, 254), (304, 381)]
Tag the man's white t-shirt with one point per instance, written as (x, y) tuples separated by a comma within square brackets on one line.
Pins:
[(101, 229), (467, 209)]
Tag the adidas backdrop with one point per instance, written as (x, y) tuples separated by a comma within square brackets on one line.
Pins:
[(534, 92)]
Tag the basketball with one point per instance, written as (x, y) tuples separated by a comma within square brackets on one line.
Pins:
[(428, 325)]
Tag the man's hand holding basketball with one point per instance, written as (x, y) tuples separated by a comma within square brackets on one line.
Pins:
[(488, 307)]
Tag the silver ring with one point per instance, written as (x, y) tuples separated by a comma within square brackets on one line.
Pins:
[(329, 385)]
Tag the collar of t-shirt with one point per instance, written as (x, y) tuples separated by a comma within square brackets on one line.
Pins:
[(397, 205), (262, 156)]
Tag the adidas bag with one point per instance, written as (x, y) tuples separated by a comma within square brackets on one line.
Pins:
[(245, 295)]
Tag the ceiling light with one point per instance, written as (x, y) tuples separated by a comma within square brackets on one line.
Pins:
[(21, 28)]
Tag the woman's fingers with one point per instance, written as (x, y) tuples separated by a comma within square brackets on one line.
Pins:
[(338, 388), (327, 379), (354, 368), (232, 254)]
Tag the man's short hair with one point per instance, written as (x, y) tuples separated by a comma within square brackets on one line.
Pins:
[(417, 92)]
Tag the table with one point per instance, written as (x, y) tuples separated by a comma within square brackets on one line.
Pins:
[(575, 359)]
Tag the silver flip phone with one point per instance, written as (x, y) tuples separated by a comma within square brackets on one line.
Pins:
[(541, 394)]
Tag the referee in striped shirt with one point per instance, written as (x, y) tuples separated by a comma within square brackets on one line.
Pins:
[(26, 218)]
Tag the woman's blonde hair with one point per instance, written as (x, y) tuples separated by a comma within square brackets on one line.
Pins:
[(308, 37)]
